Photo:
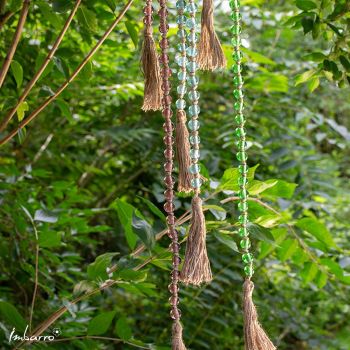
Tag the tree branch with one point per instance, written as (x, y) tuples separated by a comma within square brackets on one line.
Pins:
[(5, 17), (8, 59), (70, 79), (38, 74)]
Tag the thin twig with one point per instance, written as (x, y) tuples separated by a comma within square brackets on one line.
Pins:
[(5, 17), (71, 78), (40, 71), (8, 59)]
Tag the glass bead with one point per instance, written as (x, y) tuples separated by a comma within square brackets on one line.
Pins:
[(245, 243), (235, 41), (243, 206), (193, 95), (192, 80), (181, 60), (191, 51), (181, 75), (243, 194), (236, 68), (243, 168), (193, 125), (192, 37), (241, 156), (194, 140), (237, 81), (236, 29), (180, 4), (181, 47), (241, 144), (238, 106), (191, 7), (243, 218), (194, 154), (191, 23), (193, 110), (180, 104), (181, 89), (243, 232), (239, 118), (194, 169), (181, 34), (181, 19), (237, 94), (248, 270), (237, 56), (247, 258), (236, 16), (235, 4), (240, 132), (196, 182), (242, 181), (192, 66)]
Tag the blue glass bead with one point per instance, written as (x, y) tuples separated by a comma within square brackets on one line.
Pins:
[(192, 37), (192, 80), (196, 182), (193, 110), (180, 104), (195, 154), (181, 19), (193, 95), (194, 140), (191, 51), (191, 23), (191, 7), (192, 66), (181, 33), (180, 4), (181, 47), (193, 125), (180, 60), (181, 89), (194, 169), (181, 75)]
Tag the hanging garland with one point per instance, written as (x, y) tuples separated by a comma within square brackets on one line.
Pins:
[(254, 335)]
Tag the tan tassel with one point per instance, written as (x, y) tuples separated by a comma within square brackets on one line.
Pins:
[(196, 267), (183, 152), (210, 53), (255, 337), (150, 68), (177, 342)]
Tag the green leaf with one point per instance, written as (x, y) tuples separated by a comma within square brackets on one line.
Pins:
[(21, 109), (49, 239), (287, 249), (266, 247), (258, 57), (98, 269), (125, 213), (261, 233), (122, 329), (317, 229), (100, 324), (345, 63), (219, 212), (229, 180), (255, 187), (309, 272), (65, 109), (131, 275), (11, 316), (306, 5), (282, 189), (333, 266), (61, 6), (315, 57), (45, 216), (155, 210), (132, 30), (313, 84), (17, 72), (304, 77), (144, 230), (308, 24), (227, 240), (87, 18), (268, 82), (321, 279)]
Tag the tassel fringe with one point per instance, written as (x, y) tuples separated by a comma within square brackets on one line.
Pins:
[(254, 335), (183, 152), (150, 68), (196, 268), (177, 342), (210, 53)]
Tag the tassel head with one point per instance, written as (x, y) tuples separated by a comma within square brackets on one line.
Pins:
[(254, 335), (196, 268), (210, 53), (177, 341), (183, 152)]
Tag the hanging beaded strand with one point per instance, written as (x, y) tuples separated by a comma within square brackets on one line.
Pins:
[(182, 135), (254, 335), (196, 268), (177, 343)]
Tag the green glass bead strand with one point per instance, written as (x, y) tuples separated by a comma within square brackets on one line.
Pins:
[(240, 133)]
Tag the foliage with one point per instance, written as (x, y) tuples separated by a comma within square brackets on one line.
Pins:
[(84, 183)]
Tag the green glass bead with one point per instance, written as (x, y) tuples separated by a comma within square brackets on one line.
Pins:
[(243, 194), (236, 68), (243, 232), (248, 270), (236, 41), (237, 56), (236, 30), (241, 156), (241, 144), (245, 243), (238, 106), (236, 16), (235, 4), (237, 81), (247, 258), (242, 181), (240, 132), (237, 94), (239, 118), (243, 219), (243, 168), (243, 206)]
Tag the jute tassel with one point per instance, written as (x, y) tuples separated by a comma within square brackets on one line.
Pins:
[(177, 342), (210, 53), (183, 152), (150, 66), (255, 337), (196, 268)]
